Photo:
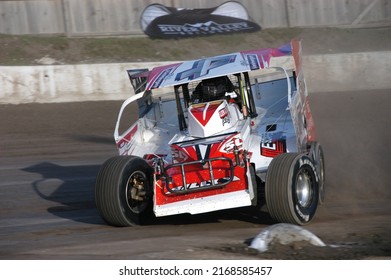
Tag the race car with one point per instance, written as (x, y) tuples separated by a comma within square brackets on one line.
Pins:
[(216, 133)]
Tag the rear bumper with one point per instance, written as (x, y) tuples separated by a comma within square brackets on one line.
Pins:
[(205, 204)]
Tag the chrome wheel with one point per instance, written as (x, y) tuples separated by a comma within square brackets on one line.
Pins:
[(303, 189)]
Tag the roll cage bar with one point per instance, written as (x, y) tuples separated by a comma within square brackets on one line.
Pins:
[(245, 95)]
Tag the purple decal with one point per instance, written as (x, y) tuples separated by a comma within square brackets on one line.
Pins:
[(253, 62), (160, 78)]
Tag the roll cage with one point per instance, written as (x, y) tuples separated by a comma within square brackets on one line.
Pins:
[(241, 86)]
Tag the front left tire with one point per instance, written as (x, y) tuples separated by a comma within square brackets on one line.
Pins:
[(292, 188)]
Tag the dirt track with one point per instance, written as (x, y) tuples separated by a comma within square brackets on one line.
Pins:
[(51, 153)]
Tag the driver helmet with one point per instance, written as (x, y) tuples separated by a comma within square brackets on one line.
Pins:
[(215, 88)]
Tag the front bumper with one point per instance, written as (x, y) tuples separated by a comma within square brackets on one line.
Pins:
[(205, 204)]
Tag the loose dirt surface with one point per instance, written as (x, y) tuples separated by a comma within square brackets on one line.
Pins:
[(51, 153), (28, 50)]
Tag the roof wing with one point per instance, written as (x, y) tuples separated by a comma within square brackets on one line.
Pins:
[(205, 68)]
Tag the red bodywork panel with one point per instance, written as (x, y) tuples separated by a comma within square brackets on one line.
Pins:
[(199, 162)]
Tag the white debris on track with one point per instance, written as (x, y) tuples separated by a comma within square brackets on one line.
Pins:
[(284, 234)]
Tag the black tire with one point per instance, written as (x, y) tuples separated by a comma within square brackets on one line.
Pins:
[(118, 201), (292, 190), (318, 158)]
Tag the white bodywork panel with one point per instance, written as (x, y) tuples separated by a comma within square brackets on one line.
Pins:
[(205, 204)]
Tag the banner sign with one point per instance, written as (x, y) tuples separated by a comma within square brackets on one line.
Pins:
[(159, 21)]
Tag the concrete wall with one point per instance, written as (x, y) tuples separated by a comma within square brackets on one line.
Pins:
[(113, 17), (348, 71), (62, 83), (59, 83)]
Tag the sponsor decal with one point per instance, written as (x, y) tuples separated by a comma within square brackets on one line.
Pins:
[(273, 144), (197, 185), (309, 162), (306, 218), (124, 147), (229, 146), (203, 28), (179, 156), (272, 149), (161, 77), (223, 112), (253, 61), (226, 120), (126, 143), (224, 115), (202, 67)]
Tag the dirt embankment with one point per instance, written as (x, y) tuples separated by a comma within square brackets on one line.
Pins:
[(29, 50)]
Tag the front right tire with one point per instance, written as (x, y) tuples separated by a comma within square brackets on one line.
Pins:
[(123, 191)]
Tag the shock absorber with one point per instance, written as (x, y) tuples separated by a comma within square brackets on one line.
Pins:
[(158, 167), (236, 153)]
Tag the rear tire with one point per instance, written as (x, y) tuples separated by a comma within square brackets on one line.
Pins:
[(292, 189), (318, 158), (123, 191)]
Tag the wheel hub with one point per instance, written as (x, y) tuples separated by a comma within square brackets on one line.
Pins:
[(136, 195), (303, 190), (137, 191)]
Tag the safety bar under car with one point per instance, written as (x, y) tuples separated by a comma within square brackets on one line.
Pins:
[(212, 185)]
